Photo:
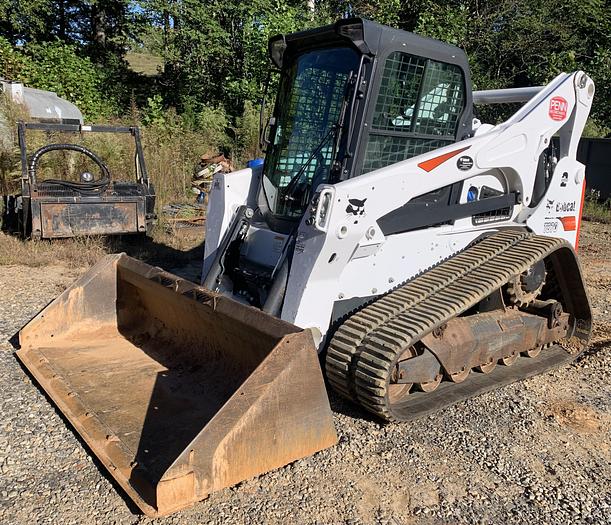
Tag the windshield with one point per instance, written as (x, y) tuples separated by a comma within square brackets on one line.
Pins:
[(310, 99)]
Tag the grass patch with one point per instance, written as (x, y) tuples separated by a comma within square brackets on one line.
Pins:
[(173, 146), (144, 63), (595, 210), (164, 249), (74, 253)]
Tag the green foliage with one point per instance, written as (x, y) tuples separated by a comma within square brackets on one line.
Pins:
[(12, 62), (55, 66), (247, 133), (216, 52), (595, 209), (448, 23), (387, 12), (153, 114), (204, 65), (514, 44), (24, 20), (212, 123), (595, 130)]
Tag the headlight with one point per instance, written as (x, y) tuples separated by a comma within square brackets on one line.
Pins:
[(86, 177)]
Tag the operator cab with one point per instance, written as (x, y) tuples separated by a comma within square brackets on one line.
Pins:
[(354, 97)]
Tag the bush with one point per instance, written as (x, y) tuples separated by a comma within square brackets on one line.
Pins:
[(247, 134), (55, 66), (12, 62), (174, 144), (10, 168)]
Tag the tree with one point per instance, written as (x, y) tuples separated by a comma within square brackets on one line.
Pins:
[(215, 51), (515, 44), (55, 66), (24, 20)]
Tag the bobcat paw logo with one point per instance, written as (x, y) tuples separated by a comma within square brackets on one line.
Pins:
[(356, 207), (550, 204)]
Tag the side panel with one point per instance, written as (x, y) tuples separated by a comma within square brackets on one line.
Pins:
[(559, 214), (97, 218), (229, 190)]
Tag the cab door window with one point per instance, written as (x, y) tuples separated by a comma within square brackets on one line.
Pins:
[(417, 109)]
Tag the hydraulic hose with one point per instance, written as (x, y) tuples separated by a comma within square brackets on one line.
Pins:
[(85, 188)]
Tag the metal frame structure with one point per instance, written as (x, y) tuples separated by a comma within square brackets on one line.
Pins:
[(50, 210)]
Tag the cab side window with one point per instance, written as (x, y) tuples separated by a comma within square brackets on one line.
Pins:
[(417, 110)]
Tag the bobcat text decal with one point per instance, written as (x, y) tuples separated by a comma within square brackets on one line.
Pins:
[(564, 207)]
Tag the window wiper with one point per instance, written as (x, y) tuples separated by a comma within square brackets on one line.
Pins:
[(333, 132), (290, 187)]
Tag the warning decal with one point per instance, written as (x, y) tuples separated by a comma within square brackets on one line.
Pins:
[(557, 108)]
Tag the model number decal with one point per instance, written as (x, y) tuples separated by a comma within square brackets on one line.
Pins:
[(557, 108), (300, 243), (550, 226)]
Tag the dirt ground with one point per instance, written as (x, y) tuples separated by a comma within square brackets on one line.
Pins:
[(538, 451)]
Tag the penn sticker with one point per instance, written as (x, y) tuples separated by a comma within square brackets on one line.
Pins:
[(557, 108)]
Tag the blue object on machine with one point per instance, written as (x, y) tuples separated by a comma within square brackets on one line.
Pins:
[(201, 197), (254, 163), (472, 194)]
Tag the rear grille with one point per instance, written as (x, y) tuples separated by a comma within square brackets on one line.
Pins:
[(55, 190), (493, 216)]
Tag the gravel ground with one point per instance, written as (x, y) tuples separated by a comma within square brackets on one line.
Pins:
[(535, 452)]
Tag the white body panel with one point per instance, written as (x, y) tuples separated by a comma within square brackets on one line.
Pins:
[(228, 192), (345, 255)]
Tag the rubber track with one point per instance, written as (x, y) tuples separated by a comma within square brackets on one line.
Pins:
[(344, 345), (364, 350)]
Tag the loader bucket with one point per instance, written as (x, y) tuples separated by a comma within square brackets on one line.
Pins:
[(178, 391)]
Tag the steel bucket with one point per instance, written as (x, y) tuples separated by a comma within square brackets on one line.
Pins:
[(178, 391)]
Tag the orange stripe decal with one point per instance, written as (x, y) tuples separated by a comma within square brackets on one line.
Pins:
[(583, 196), (431, 164), (569, 223)]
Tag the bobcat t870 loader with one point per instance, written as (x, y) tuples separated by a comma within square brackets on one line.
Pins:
[(427, 258)]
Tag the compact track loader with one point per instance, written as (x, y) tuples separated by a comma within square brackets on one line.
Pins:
[(425, 256)]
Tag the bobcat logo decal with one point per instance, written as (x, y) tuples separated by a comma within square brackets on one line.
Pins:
[(356, 207)]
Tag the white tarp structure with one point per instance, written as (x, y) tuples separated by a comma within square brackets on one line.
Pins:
[(44, 106)]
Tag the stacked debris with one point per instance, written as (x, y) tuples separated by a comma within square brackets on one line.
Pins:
[(193, 215), (207, 167)]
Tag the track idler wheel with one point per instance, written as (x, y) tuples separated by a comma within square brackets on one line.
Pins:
[(510, 359), (397, 391), (459, 377), (523, 289), (430, 386), (533, 352)]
